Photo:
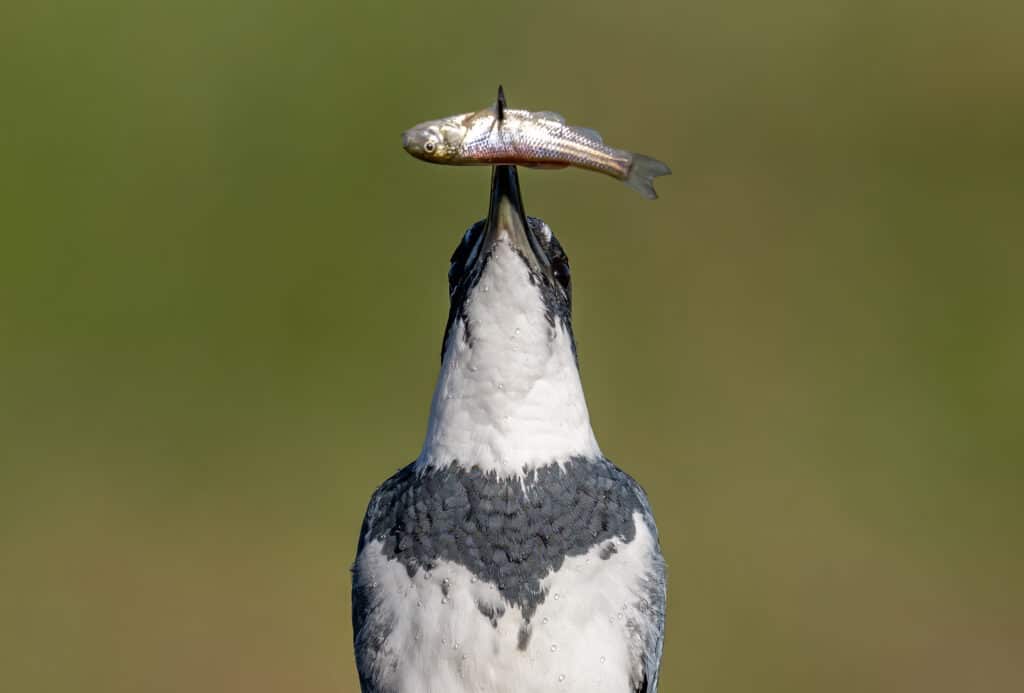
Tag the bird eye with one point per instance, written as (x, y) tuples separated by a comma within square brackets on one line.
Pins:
[(429, 146), (560, 268)]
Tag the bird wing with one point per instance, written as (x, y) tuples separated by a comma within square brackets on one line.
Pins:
[(369, 623), (654, 586)]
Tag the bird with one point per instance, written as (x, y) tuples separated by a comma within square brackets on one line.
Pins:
[(511, 555)]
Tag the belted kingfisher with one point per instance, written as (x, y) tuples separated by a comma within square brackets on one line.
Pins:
[(511, 555)]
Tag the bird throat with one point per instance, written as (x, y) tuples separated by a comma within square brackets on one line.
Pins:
[(509, 397)]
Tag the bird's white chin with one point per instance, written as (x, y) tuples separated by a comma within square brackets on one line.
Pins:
[(509, 396)]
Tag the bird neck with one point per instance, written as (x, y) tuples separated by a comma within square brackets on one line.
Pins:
[(509, 396)]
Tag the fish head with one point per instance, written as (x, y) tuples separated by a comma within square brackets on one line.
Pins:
[(438, 141)]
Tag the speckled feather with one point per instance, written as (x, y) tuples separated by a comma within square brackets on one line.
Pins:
[(511, 532), (522, 544)]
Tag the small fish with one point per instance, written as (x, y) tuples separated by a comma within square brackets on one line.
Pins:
[(537, 139)]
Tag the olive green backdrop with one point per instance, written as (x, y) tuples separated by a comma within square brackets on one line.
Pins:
[(222, 294)]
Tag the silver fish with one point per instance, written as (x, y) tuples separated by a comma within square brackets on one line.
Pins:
[(539, 139)]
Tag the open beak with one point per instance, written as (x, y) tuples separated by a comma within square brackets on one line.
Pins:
[(506, 217)]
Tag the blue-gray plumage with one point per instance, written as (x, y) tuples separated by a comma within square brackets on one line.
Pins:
[(511, 555)]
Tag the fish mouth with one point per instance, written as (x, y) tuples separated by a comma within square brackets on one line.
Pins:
[(506, 219), (412, 142)]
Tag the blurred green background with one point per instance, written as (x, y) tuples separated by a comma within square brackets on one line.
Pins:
[(222, 294)]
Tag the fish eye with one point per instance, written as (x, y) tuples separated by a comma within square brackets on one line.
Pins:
[(429, 146)]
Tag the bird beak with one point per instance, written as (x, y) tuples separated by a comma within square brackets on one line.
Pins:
[(506, 217)]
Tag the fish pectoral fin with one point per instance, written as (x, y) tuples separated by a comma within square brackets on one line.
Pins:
[(545, 164), (589, 133), (551, 115)]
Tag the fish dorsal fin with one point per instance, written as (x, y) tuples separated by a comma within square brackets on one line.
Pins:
[(551, 115), (589, 133), (499, 106)]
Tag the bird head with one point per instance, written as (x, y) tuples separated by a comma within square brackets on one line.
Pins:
[(509, 271), (509, 395)]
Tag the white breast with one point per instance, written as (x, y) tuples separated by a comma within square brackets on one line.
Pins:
[(586, 636)]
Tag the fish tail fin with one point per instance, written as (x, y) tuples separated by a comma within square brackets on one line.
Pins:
[(642, 172)]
